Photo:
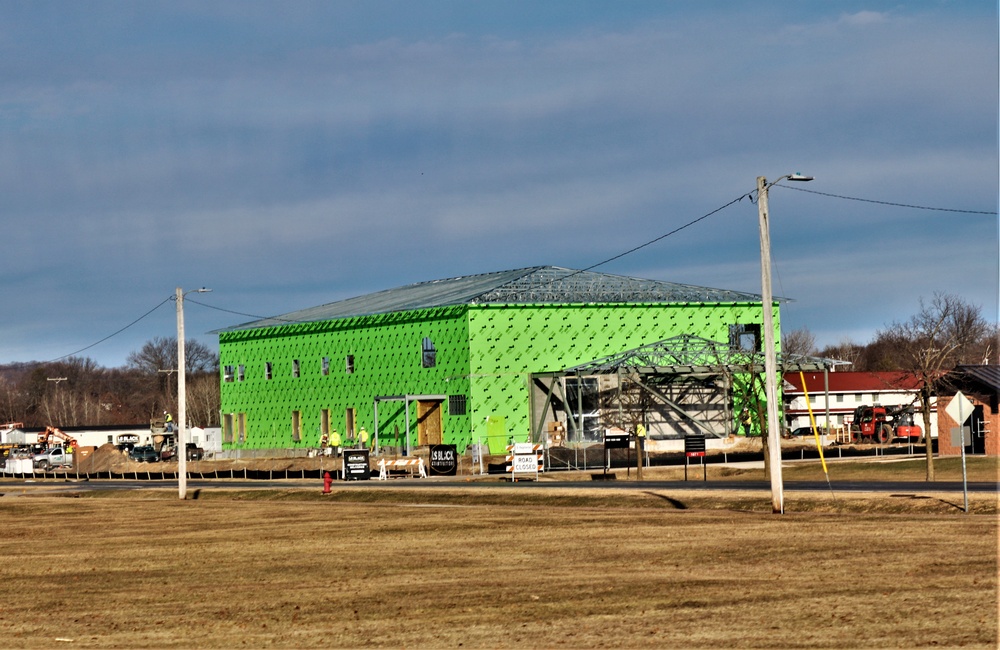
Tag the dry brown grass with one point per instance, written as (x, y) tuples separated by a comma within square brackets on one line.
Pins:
[(488, 567)]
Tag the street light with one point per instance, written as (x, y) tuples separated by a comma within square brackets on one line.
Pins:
[(770, 361), (182, 395)]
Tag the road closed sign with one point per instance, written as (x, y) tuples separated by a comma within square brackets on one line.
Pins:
[(525, 464)]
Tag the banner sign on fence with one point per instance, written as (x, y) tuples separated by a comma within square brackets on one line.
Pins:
[(444, 460), (356, 466)]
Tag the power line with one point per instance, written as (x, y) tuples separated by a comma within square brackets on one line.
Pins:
[(73, 354), (240, 313), (661, 237), (897, 205)]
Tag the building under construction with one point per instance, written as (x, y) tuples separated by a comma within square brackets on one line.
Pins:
[(537, 354)]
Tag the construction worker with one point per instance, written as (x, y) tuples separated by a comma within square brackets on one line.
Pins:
[(335, 442), (363, 438), (745, 420), (169, 421)]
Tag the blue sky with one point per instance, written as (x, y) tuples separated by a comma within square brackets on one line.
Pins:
[(290, 154)]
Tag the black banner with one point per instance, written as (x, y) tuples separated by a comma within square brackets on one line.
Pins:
[(617, 440), (356, 466), (444, 460), (694, 444)]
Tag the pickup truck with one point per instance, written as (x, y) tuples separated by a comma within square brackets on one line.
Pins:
[(54, 457), (194, 452)]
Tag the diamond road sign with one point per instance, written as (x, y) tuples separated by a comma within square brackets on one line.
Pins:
[(960, 408)]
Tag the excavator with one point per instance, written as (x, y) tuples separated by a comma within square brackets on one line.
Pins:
[(45, 439)]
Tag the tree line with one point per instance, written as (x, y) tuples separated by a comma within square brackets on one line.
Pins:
[(77, 391)]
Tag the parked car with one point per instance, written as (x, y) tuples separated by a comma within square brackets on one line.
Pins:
[(194, 452), (806, 431), (144, 454)]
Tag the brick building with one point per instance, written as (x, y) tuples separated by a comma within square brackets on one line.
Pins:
[(981, 385)]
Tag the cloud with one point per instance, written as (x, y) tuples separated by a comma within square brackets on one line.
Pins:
[(864, 18), (290, 158)]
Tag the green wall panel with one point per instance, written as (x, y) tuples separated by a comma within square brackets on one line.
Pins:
[(484, 352), (387, 361), (509, 342)]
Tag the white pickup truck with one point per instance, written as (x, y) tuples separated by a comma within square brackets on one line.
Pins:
[(54, 457)]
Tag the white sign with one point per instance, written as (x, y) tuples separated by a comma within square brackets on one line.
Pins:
[(960, 408), (525, 464), (523, 448)]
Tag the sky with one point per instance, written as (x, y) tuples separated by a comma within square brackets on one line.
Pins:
[(291, 154)]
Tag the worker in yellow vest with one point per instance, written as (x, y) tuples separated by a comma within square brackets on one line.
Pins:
[(363, 438), (335, 442)]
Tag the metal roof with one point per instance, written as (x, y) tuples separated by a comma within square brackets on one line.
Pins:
[(854, 382), (987, 375), (533, 285)]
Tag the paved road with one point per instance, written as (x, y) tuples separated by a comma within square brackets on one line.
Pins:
[(11, 487)]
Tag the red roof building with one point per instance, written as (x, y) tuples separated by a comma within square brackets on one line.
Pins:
[(847, 391)]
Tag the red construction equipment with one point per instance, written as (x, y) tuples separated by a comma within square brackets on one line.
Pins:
[(883, 423)]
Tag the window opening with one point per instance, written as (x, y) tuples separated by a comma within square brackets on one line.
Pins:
[(325, 368), (227, 427), (428, 353), (456, 405), (295, 367), (296, 426), (349, 364), (745, 337), (267, 370), (349, 423), (227, 373), (241, 372)]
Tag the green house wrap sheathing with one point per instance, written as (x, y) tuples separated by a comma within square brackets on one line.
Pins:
[(484, 356)]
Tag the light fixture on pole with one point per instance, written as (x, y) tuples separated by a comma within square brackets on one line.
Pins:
[(770, 356), (182, 395)]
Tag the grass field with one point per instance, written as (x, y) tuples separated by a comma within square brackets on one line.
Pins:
[(495, 567)]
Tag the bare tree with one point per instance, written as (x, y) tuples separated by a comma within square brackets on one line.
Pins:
[(160, 353), (947, 331), (204, 400), (800, 341), (848, 351)]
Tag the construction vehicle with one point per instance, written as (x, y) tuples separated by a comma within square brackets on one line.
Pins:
[(45, 439), (52, 458), (882, 424)]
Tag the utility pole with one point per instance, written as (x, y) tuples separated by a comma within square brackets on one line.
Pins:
[(181, 400), (770, 359), (182, 397), (770, 356)]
